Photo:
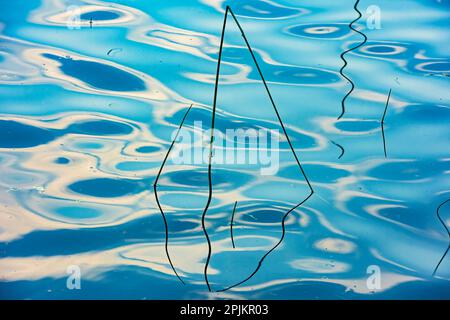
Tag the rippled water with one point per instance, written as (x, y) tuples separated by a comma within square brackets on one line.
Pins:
[(87, 115)]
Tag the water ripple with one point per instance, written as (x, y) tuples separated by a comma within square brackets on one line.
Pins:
[(91, 96)]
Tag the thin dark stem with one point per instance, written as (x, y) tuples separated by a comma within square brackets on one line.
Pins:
[(340, 147), (273, 248), (382, 123), (271, 99), (211, 150), (341, 71), (155, 189), (448, 232), (231, 225), (292, 150)]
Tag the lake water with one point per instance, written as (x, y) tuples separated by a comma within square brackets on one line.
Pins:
[(93, 91)]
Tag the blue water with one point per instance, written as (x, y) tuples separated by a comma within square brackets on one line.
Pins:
[(87, 115)]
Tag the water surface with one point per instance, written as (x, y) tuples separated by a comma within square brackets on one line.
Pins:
[(87, 113)]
